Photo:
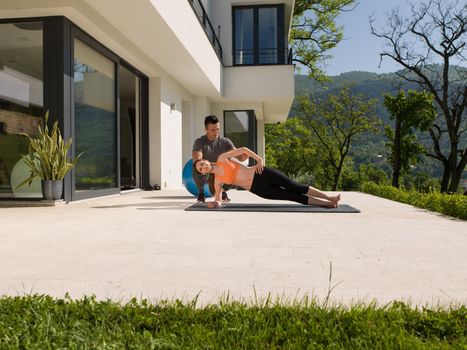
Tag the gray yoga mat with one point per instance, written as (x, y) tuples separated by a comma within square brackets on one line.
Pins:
[(299, 208)]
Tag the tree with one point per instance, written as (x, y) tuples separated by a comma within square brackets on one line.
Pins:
[(435, 33), (410, 112), (314, 32), (288, 148), (336, 122)]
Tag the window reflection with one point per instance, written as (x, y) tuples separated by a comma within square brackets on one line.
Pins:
[(240, 127), (95, 119), (21, 102), (267, 35), (236, 128), (244, 43)]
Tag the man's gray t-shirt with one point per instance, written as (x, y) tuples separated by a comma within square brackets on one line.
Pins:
[(212, 149)]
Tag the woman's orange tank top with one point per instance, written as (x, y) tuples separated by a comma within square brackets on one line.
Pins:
[(230, 172)]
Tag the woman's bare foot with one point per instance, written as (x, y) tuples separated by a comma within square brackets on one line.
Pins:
[(321, 203), (335, 199)]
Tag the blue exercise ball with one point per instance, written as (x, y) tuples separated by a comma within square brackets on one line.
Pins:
[(189, 183)]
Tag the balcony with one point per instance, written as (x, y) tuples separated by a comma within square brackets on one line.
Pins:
[(265, 56), (203, 18), (272, 86)]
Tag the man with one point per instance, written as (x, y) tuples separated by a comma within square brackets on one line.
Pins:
[(209, 147)]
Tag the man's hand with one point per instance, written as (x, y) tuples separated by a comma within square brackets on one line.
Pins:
[(195, 155)]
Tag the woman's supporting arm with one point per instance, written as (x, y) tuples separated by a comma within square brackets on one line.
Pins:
[(217, 196)]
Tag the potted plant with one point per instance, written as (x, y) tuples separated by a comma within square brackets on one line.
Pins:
[(48, 159)]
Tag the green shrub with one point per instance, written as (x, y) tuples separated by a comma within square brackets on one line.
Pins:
[(454, 205), (352, 180)]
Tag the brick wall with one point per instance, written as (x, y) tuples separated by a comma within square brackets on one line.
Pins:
[(16, 122)]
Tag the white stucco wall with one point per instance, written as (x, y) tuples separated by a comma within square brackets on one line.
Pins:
[(187, 127), (171, 131), (221, 19), (260, 138), (272, 85), (179, 17), (202, 109), (193, 114)]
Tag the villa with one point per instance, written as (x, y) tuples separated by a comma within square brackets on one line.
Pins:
[(131, 82)]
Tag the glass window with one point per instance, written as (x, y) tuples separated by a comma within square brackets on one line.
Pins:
[(267, 35), (239, 126), (236, 128), (21, 102), (95, 119), (257, 35), (244, 36)]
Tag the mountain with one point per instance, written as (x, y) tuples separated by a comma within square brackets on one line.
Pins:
[(373, 86)]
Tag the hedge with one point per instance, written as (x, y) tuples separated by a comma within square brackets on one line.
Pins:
[(454, 205)]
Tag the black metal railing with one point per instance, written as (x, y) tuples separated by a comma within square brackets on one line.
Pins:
[(290, 56), (203, 18), (262, 56)]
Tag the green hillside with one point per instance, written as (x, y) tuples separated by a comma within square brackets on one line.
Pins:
[(370, 147), (372, 85)]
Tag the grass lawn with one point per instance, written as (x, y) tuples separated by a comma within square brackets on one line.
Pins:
[(42, 322)]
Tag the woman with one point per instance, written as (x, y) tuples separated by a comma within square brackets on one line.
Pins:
[(263, 181)]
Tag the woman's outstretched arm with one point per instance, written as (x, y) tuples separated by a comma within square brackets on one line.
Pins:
[(245, 151)]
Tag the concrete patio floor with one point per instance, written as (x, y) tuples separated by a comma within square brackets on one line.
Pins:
[(144, 245)]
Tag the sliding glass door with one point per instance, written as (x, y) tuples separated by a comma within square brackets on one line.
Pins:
[(21, 103), (101, 101), (129, 96), (95, 121)]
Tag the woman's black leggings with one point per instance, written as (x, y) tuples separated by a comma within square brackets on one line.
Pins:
[(272, 184)]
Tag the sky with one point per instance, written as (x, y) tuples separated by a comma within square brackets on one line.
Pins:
[(359, 50)]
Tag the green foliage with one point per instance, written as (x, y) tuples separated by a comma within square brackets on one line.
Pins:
[(41, 322), (97, 180), (421, 182), (314, 32), (454, 205), (336, 122), (375, 86), (411, 111), (314, 146), (11, 147), (409, 148), (288, 147), (47, 156), (354, 180), (415, 108)]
